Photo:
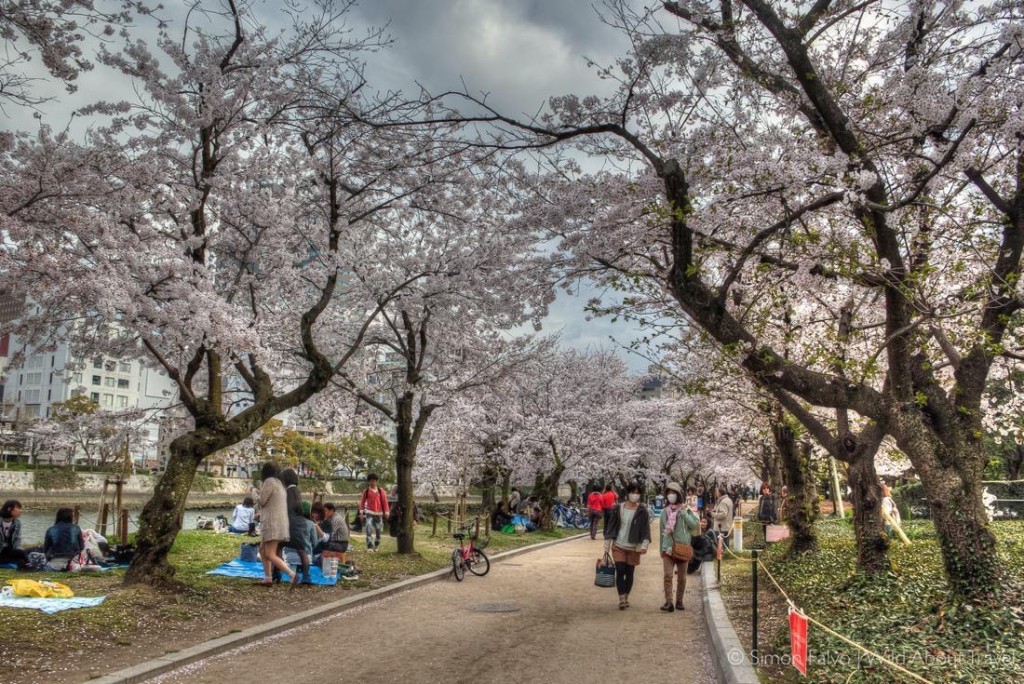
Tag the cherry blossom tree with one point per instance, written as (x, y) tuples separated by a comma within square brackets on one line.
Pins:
[(234, 224), (449, 330), (833, 148), (55, 31)]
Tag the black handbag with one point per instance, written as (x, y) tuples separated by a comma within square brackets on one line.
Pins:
[(605, 573)]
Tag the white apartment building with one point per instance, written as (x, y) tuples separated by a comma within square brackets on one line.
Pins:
[(53, 375)]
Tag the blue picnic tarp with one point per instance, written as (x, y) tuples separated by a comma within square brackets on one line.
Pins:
[(50, 605), (254, 570)]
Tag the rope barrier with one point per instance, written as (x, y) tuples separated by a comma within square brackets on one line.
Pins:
[(790, 602)]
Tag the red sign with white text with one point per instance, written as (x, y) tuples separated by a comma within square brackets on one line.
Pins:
[(798, 640)]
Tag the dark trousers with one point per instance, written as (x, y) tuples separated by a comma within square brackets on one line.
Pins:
[(624, 577), (596, 517), (18, 556)]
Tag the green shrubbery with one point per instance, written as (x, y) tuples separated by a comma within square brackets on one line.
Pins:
[(204, 484), (62, 478), (907, 615)]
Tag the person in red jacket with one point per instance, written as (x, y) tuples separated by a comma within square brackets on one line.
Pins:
[(608, 501), (596, 507), (374, 507)]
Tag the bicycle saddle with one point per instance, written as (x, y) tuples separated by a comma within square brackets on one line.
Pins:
[(459, 535)]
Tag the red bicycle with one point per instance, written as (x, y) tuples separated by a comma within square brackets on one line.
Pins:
[(469, 556)]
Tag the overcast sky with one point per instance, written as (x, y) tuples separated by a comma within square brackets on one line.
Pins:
[(520, 52)]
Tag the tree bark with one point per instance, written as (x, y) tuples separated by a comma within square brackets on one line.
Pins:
[(161, 517), (405, 457), (802, 501), (488, 484), (953, 489), (872, 541), (545, 488)]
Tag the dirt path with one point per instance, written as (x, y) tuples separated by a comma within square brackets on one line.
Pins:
[(560, 628)]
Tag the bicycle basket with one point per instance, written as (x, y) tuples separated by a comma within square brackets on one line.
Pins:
[(481, 544)]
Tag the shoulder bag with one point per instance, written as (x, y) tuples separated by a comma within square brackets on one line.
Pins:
[(605, 573)]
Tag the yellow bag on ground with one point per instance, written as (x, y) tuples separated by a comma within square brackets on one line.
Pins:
[(44, 589)]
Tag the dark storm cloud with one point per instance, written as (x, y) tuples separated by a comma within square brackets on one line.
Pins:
[(519, 51)]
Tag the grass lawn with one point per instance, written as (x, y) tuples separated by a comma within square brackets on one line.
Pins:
[(906, 615), (135, 624)]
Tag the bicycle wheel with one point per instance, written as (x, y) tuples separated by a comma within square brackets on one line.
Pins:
[(478, 563), (582, 521), (458, 567)]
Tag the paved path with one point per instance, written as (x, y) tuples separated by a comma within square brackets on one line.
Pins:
[(563, 629)]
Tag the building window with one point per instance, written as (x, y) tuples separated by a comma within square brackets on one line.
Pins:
[(124, 367), (33, 378), (122, 384), (32, 410), (122, 402), (32, 395), (97, 363), (109, 382), (108, 400), (95, 396), (97, 380)]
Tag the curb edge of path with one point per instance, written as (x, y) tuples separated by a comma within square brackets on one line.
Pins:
[(172, 661), (733, 665)]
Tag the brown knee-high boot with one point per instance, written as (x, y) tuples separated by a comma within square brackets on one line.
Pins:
[(681, 585)]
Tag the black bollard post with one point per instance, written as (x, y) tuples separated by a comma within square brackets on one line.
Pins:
[(753, 606)]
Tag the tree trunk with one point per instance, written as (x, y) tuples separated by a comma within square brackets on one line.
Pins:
[(802, 502), (872, 541), (1012, 461), (405, 456), (952, 485), (161, 517), (545, 488), (488, 484), (506, 483), (574, 490)]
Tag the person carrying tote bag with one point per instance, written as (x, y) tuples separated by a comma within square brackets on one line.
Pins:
[(678, 525), (627, 534), (605, 573)]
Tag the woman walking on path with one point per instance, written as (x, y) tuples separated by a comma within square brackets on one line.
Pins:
[(596, 507), (627, 533), (608, 501), (273, 524), (678, 525)]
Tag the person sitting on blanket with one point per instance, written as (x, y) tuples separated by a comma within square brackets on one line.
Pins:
[(338, 541), (317, 515), (63, 541), (500, 518), (10, 535), (244, 518)]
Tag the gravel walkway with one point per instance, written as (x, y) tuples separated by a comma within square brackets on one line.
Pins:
[(537, 617)]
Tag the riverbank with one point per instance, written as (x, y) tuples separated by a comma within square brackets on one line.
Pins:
[(136, 624)]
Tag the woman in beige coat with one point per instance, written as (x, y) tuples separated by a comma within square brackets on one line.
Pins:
[(273, 525)]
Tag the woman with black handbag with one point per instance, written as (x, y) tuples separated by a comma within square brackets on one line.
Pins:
[(678, 526), (627, 533)]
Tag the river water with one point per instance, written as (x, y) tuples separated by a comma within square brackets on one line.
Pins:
[(35, 523)]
